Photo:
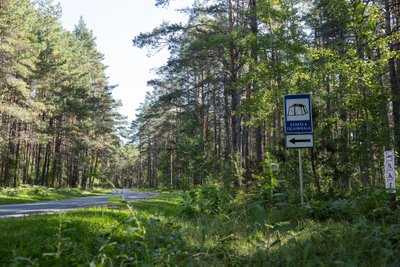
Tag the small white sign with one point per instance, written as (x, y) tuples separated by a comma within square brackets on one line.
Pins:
[(390, 171), (299, 140)]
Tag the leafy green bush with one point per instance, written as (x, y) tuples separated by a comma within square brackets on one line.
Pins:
[(268, 185), (338, 209), (375, 205), (210, 199)]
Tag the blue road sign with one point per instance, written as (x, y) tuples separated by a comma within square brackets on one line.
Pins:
[(298, 115)]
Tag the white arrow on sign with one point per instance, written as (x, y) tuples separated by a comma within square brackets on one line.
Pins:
[(299, 140)]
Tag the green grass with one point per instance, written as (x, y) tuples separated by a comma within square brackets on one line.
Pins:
[(199, 229), (65, 239), (28, 193), (80, 237)]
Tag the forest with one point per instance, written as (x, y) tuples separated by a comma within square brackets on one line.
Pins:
[(208, 140), (215, 111), (59, 123)]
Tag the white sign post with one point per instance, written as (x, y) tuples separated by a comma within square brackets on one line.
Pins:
[(390, 173)]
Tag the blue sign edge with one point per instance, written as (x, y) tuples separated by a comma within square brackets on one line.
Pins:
[(297, 96)]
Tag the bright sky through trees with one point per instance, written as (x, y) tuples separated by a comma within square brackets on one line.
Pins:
[(115, 23)]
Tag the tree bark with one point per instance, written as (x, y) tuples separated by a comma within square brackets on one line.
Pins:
[(394, 80)]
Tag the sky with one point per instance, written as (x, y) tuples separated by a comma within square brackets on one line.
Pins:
[(114, 24)]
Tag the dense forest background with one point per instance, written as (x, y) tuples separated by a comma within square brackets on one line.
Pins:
[(215, 112), (58, 121)]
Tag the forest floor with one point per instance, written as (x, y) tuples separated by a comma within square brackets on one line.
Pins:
[(203, 228)]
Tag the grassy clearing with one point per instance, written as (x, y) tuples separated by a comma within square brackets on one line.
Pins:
[(200, 229), (28, 193)]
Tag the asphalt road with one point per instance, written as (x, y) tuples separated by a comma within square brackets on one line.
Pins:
[(14, 210)]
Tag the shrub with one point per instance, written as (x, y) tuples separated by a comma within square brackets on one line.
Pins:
[(210, 199)]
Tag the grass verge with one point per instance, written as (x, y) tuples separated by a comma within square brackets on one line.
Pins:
[(176, 229), (28, 193)]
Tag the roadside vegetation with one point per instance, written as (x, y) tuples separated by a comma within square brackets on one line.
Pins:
[(28, 193), (212, 125), (207, 227)]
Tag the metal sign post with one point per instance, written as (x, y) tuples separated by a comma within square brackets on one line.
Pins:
[(298, 127), (301, 176)]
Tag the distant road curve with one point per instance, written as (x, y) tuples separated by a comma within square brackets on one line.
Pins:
[(15, 210)]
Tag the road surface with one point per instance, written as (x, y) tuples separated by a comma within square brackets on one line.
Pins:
[(14, 210)]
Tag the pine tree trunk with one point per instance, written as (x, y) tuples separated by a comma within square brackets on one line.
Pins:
[(254, 55), (16, 176), (227, 118), (235, 93), (45, 177), (394, 80), (149, 163), (38, 159), (56, 158), (27, 155)]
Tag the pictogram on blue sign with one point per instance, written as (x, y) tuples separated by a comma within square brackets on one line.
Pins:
[(298, 115)]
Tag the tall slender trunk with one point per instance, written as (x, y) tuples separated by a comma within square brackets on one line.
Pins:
[(56, 160), (16, 160), (171, 169), (46, 164), (84, 178), (10, 164), (254, 56), (215, 125), (25, 170), (227, 123), (235, 93), (140, 173), (38, 160), (394, 80), (149, 164)]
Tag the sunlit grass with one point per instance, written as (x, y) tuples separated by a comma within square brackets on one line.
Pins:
[(28, 193), (167, 204), (158, 233), (36, 238)]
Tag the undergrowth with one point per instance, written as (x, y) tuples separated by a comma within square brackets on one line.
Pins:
[(207, 226)]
